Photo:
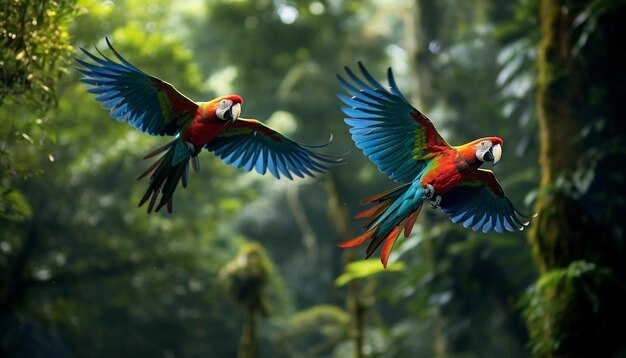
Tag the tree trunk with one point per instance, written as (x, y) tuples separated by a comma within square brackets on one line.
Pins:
[(357, 300), (422, 32), (17, 278), (249, 342), (560, 123), (574, 311)]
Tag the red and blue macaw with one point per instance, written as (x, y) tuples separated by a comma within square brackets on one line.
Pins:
[(406, 146), (155, 107)]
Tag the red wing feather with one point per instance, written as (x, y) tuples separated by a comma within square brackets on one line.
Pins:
[(487, 177)]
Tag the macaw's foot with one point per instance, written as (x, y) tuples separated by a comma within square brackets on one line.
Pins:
[(190, 147), (193, 150), (429, 191), (435, 202)]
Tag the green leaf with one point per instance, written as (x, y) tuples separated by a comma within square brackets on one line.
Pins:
[(13, 206), (364, 268)]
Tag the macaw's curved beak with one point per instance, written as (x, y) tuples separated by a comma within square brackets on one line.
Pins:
[(496, 152), (235, 111), (493, 154)]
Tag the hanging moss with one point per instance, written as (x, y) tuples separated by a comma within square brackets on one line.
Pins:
[(246, 278), (563, 298)]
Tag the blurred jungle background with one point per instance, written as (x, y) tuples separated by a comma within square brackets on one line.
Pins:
[(247, 265)]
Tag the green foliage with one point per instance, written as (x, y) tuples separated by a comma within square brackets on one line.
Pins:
[(361, 269), (35, 46), (452, 281), (315, 331), (554, 303), (586, 22), (13, 206)]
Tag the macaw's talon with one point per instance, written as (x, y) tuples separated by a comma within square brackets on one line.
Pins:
[(429, 191), (435, 202), (191, 148)]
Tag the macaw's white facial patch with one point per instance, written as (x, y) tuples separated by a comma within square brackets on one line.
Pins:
[(482, 148), (222, 108), (488, 152)]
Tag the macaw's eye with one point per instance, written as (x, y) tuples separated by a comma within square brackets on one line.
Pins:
[(224, 104), (482, 150)]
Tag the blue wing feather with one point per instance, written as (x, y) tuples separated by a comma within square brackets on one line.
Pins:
[(132, 96), (478, 224), (271, 165), (249, 144), (261, 164), (382, 124), (252, 157), (293, 167), (281, 165), (370, 78), (478, 207)]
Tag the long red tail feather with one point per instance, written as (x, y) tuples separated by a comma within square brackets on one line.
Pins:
[(389, 241), (359, 239), (369, 212), (383, 201), (411, 222)]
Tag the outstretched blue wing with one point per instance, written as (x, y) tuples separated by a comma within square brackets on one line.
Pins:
[(145, 102), (247, 144), (393, 134), (479, 203)]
